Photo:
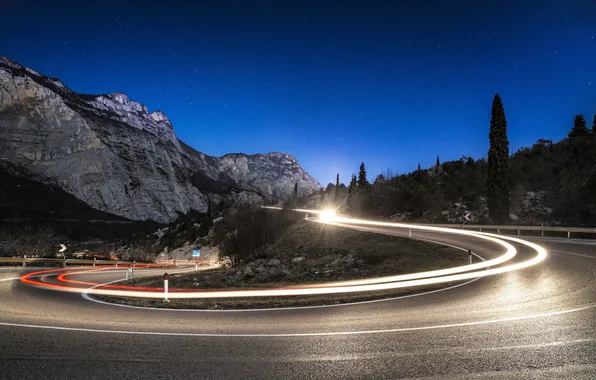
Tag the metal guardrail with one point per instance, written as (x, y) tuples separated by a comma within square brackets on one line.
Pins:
[(33, 260), (519, 229)]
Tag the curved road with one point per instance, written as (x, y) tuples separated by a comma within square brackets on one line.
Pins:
[(533, 323)]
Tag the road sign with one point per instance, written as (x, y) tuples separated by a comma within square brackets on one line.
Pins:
[(468, 216), (196, 253), (62, 248)]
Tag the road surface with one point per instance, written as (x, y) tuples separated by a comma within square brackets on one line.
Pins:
[(539, 322)]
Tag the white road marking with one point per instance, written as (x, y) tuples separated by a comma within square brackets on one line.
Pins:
[(314, 334), (9, 279), (89, 298), (571, 253)]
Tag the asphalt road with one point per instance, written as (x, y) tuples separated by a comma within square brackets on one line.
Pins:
[(538, 322)]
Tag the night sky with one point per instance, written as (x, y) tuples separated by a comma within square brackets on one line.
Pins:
[(390, 83)]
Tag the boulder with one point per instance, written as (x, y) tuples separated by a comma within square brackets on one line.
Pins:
[(248, 272), (298, 260), (274, 262)]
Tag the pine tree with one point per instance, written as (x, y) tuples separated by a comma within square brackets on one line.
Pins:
[(438, 165), (419, 169), (362, 181), (296, 190), (580, 127), (594, 125), (353, 184), (498, 160)]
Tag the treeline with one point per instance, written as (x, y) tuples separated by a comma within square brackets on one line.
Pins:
[(564, 172)]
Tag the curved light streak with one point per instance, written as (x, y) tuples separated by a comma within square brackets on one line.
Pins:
[(365, 285), (317, 291)]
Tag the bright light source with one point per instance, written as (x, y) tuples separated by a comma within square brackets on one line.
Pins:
[(327, 216)]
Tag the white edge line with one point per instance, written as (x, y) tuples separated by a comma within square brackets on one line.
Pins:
[(89, 298), (314, 334), (574, 254)]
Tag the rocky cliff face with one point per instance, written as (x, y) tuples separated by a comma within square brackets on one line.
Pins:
[(116, 156)]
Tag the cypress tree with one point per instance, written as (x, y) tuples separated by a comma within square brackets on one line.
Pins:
[(296, 190), (362, 181), (498, 160), (336, 190), (594, 125), (580, 127)]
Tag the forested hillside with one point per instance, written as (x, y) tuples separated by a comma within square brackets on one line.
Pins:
[(551, 183)]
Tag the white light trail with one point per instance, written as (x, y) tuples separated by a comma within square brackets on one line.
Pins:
[(366, 285)]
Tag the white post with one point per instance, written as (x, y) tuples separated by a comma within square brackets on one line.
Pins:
[(24, 261), (196, 266), (498, 230), (517, 230), (132, 274), (64, 263), (568, 234), (116, 263), (542, 230), (470, 256), (94, 260), (165, 287), (409, 232), (127, 272)]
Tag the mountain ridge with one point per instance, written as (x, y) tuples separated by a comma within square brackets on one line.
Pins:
[(112, 153)]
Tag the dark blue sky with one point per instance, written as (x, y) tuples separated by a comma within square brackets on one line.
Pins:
[(390, 83)]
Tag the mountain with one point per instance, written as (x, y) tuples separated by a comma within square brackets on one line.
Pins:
[(114, 155)]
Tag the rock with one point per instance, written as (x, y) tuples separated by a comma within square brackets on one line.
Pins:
[(355, 270), (112, 153), (274, 262), (260, 270), (238, 273), (513, 217), (298, 260), (286, 272), (248, 272), (194, 279), (225, 262)]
